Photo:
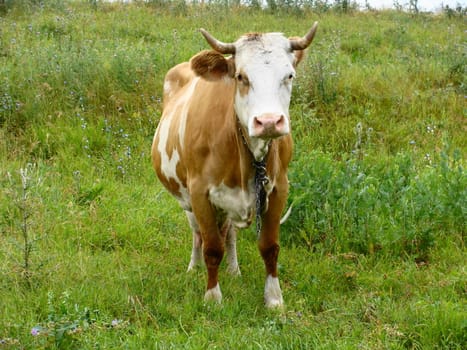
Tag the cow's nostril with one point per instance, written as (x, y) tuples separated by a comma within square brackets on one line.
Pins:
[(280, 121), (258, 121)]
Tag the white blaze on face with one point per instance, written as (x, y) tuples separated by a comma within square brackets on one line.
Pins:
[(264, 73)]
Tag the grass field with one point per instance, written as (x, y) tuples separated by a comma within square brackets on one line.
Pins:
[(93, 251)]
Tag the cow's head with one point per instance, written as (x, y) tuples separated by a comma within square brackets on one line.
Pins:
[(263, 68)]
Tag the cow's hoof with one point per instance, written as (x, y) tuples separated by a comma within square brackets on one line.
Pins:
[(233, 270), (213, 294), (274, 303), (272, 293)]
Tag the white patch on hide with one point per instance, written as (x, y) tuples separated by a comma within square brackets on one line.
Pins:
[(238, 204), (167, 88), (169, 164)]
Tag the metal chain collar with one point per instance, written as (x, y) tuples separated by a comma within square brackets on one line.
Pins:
[(261, 180)]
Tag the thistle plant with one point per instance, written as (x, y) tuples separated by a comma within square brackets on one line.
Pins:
[(23, 213)]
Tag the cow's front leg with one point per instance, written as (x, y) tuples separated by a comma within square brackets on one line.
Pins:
[(213, 254), (269, 249), (272, 291), (213, 242)]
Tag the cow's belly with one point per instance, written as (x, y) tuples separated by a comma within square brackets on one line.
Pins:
[(237, 204)]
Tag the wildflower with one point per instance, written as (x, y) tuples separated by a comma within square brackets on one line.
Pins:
[(35, 331), (128, 152)]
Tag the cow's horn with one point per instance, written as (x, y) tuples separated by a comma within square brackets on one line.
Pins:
[(303, 43), (219, 46)]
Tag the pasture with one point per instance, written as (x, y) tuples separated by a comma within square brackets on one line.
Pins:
[(93, 251)]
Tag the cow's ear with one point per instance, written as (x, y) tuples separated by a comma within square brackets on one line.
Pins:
[(211, 65), (299, 54)]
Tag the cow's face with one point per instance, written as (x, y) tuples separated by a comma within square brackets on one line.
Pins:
[(263, 68)]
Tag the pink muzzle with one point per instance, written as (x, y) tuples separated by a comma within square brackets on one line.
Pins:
[(270, 125)]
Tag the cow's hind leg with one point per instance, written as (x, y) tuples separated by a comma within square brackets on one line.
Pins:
[(196, 251), (231, 250)]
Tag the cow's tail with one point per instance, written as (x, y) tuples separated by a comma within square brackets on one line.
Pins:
[(287, 214)]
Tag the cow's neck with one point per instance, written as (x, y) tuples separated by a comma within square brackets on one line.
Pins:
[(261, 177)]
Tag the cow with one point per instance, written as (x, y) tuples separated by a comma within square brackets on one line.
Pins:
[(223, 146)]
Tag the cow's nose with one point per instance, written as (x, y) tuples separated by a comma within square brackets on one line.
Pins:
[(269, 125)]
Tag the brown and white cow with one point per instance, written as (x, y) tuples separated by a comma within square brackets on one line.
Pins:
[(222, 116)]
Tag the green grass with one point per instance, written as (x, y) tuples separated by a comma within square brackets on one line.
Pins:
[(93, 251)]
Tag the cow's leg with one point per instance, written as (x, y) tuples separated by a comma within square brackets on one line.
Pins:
[(213, 242), (269, 248), (231, 251), (196, 251), (213, 250)]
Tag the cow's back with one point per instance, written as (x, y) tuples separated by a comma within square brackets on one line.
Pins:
[(197, 114)]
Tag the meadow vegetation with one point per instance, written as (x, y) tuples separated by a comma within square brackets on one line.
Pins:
[(93, 251)]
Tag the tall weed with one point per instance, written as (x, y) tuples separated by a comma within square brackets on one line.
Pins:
[(372, 205)]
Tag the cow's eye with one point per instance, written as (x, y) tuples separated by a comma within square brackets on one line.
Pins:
[(288, 79), (242, 79)]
